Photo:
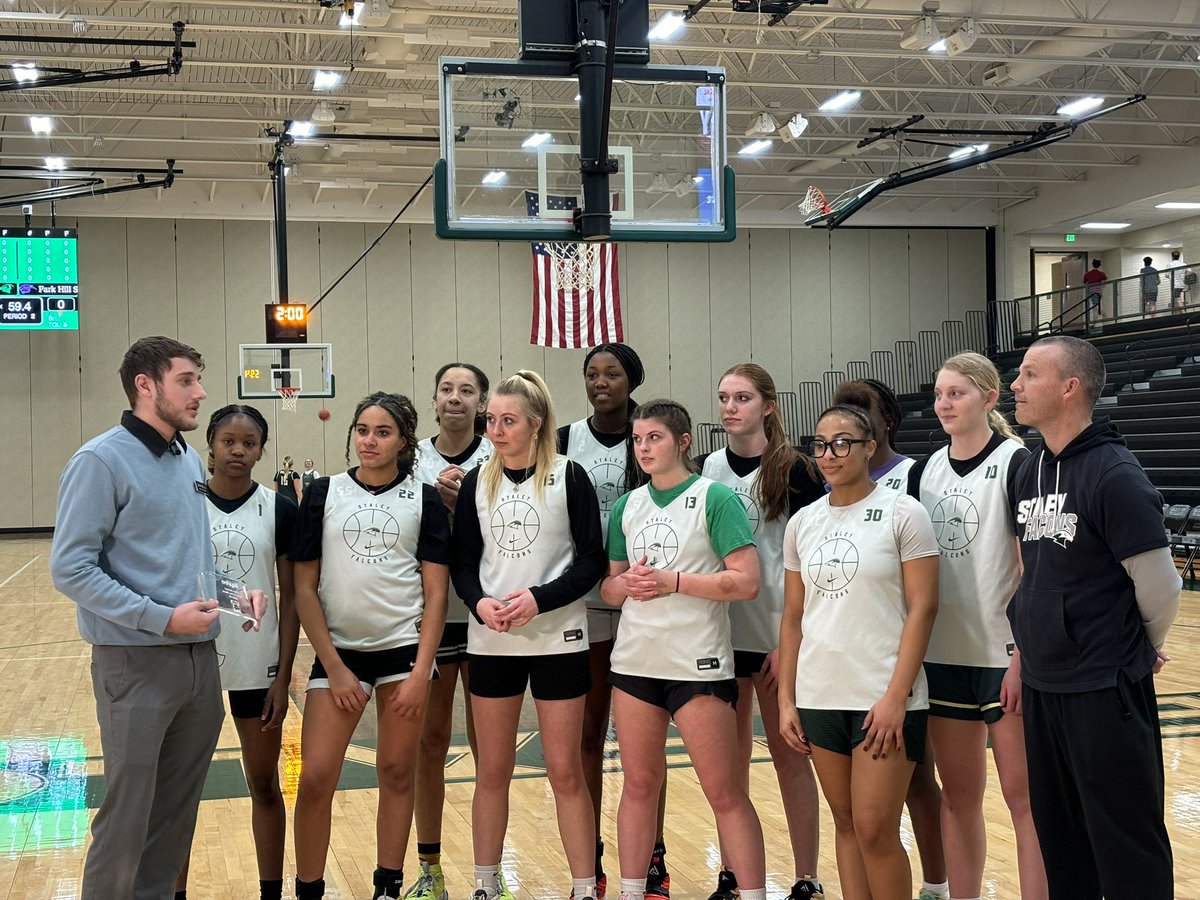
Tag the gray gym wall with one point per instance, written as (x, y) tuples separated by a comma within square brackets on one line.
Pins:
[(797, 301)]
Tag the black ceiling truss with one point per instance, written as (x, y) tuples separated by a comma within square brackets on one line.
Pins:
[(83, 181), (59, 77)]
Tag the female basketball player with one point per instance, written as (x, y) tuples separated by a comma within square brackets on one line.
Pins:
[(678, 548), (860, 596), (459, 398), (251, 528), (600, 443), (773, 482), (527, 548), (372, 552), (974, 670), (890, 469)]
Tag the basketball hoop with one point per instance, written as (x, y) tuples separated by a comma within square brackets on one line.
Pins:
[(813, 202), (576, 266), (288, 396)]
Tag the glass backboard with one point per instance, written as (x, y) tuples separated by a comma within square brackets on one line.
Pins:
[(265, 369)]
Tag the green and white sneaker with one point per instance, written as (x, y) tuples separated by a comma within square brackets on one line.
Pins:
[(430, 884)]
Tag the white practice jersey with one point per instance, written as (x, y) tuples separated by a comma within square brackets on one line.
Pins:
[(677, 636), (527, 542), (854, 610), (980, 566), (243, 544), (605, 467), (895, 478), (755, 624), (430, 464), (370, 586)]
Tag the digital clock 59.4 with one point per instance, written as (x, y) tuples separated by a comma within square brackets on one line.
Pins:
[(287, 323)]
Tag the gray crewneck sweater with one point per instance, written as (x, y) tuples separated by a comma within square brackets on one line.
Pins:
[(130, 537)]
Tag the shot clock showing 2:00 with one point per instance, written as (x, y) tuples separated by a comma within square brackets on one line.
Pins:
[(287, 323), (39, 279)]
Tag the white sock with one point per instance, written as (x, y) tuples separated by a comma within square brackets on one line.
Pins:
[(809, 877), (633, 888), (754, 893), (584, 887), (942, 890), (485, 879)]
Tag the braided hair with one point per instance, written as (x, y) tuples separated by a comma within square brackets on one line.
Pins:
[(235, 409), (870, 392), (403, 413)]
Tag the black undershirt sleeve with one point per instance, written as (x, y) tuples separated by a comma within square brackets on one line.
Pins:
[(914, 478), (306, 536), (466, 545), (591, 562), (285, 524), (803, 487), (433, 542), (564, 436)]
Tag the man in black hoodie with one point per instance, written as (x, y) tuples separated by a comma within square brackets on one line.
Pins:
[(1097, 596)]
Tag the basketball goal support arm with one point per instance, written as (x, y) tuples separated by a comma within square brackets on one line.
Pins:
[(1047, 134), (595, 55)]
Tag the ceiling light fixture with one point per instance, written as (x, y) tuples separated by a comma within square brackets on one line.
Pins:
[(921, 34), (495, 177), (793, 127), (960, 40), (666, 27), (1177, 204), (1082, 105), (1105, 226), (969, 150), (23, 73), (660, 184), (301, 129), (326, 81), (41, 124), (536, 139), (840, 101), (754, 148), (762, 126), (55, 163), (323, 113)]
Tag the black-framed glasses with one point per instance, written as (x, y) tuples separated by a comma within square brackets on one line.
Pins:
[(839, 446)]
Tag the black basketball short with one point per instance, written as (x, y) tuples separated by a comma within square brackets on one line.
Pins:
[(247, 704), (841, 730), (971, 693), (553, 676), (672, 695), (453, 648), (371, 667), (747, 663)]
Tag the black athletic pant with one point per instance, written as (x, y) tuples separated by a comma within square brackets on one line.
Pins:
[(1096, 791)]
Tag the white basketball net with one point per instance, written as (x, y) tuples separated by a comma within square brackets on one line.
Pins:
[(814, 201), (288, 398), (576, 266)]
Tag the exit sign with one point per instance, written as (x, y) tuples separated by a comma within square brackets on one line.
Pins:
[(1069, 238)]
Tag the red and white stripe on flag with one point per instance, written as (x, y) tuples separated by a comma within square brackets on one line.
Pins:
[(576, 295)]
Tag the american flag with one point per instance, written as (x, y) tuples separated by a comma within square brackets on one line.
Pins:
[(563, 315)]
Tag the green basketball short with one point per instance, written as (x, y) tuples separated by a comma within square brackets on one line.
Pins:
[(971, 693), (840, 730)]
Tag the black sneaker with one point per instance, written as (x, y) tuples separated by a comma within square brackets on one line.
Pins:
[(727, 887), (658, 879), (806, 889)]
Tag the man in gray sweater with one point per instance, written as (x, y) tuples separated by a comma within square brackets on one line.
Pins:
[(130, 538)]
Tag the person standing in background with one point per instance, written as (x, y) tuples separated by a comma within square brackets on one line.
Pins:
[(1149, 282), (310, 474), (287, 481)]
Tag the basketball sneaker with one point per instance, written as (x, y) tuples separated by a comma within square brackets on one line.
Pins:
[(430, 885), (806, 889), (500, 893), (727, 888), (601, 887), (931, 895), (658, 879)]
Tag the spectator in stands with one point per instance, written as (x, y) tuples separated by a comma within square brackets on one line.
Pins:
[(1093, 278), (1177, 284), (1149, 288), (1098, 593)]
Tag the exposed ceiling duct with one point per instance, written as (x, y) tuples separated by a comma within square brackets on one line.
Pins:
[(1074, 43)]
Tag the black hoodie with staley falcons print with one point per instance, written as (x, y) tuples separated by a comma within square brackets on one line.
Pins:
[(1075, 618)]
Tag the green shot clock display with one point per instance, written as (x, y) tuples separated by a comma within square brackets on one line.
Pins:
[(39, 281)]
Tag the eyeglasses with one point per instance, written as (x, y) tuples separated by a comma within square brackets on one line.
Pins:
[(840, 447)]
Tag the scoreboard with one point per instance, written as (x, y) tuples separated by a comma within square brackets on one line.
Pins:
[(39, 281)]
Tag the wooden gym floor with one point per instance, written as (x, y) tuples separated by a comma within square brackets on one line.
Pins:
[(50, 780)]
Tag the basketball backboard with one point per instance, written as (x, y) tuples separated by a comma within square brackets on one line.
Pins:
[(265, 369), (510, 152)]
